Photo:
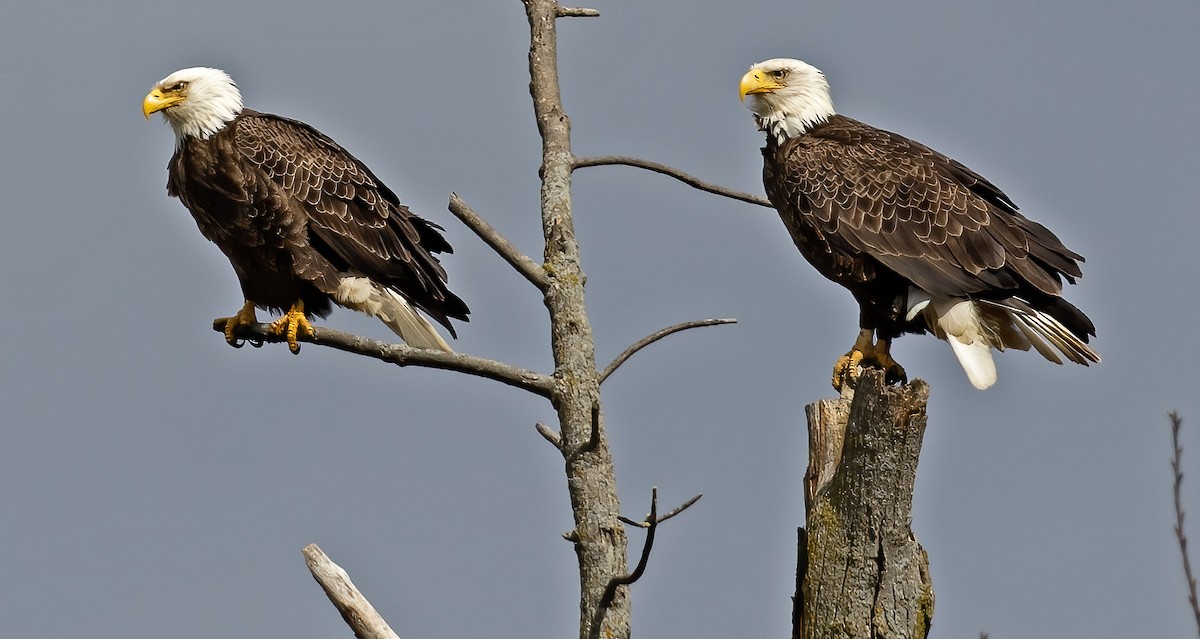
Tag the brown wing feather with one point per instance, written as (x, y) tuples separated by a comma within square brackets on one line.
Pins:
[(354, 220), (919, 213)]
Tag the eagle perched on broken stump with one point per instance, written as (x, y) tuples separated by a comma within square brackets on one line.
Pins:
[(921, 241)]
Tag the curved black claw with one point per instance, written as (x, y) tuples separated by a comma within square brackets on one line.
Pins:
[(238, 342)]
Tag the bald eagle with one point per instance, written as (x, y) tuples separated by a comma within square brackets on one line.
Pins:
[(921, 241), (304, 223)]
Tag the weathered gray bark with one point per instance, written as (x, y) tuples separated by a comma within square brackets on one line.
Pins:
[(861, 572), (599, 537)]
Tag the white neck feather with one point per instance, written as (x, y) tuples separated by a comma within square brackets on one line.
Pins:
[(796, 107), (795, 114), (212, 101)]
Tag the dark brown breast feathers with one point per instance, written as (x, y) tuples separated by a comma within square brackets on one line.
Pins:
[(332, 213)]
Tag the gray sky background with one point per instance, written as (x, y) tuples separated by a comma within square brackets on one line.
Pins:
[(155, 482)]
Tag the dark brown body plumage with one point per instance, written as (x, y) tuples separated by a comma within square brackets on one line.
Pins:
[(295, 212), (874, 212)]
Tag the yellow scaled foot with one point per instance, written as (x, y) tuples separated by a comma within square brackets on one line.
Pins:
[(293, 324), (867, 353), (242, 318), (846, 369)]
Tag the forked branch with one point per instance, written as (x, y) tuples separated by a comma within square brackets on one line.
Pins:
[(651, 525), (609, 160), (403, 355)]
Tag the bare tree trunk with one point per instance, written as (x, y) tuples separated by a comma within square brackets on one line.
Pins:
[(861, 572), (599, 537)]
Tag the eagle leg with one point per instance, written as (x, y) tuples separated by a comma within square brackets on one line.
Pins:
[(867, 353), (243, 317), (293, 324), (882, 358)]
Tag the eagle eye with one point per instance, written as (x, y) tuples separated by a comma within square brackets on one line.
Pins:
[(779, 74), (178, 86)]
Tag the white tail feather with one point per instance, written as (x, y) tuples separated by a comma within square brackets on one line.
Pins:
[(976, 360), (975, 327), (365, 296), (958, 322)]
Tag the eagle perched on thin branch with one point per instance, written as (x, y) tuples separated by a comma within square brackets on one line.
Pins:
[(303, 222), (921, 241)]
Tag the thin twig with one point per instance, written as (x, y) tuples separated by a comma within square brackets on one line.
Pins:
[(682, 507), (654, 337), (549, 434), (1177, 468), (403, 355), (500, 244), (577, 12), (608, 160), (610, 592), (359, 614)]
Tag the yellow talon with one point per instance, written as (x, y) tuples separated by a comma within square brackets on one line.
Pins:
[(867, 353), (846, 369), (293, 324), (241, 318)]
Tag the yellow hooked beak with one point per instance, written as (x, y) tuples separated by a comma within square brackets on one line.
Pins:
[(156, 101), (758, 81)]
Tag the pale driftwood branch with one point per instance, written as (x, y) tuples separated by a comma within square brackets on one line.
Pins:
[(548, 434), (654, 337), (610, 591), (500, 244), (682, 507), (610, 160), (577, 12), (359, 614), (864, 574), (1177, 468), (403, 355)]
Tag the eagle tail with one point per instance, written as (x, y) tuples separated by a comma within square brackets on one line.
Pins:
[(976, 360), (366, 296), (958, 321), (1041, 329), (974, 327)]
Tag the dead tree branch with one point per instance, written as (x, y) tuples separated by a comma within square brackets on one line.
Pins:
[(403, 355), (577, 12), (1177, 469), (593, 438), (609, 160), (646, 524), (548, 434), (500, 244), (651, 525), (654, 337), (600, 541), (862, 572), (359, 614)]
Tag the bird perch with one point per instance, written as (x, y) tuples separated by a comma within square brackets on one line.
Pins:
[(860, 571)]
